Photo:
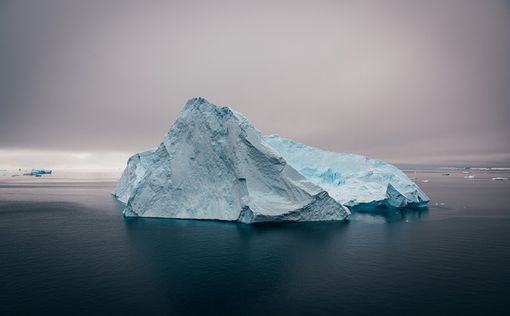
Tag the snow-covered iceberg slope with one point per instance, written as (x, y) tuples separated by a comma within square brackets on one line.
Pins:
[(353, 180), (213, 164)]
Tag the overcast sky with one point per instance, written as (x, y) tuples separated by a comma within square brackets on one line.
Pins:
[(405, 81)]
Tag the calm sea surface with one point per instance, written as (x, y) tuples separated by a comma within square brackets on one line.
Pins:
[(66, 249)]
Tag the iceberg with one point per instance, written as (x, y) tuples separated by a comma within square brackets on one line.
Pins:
[(41, 171), (356, 181), (214, 164), (37, 172)]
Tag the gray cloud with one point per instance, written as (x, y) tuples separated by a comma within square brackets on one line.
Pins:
[(407, 81)]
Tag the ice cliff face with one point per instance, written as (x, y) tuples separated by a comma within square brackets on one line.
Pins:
[(213, 164), (136, 168), (352, 180)]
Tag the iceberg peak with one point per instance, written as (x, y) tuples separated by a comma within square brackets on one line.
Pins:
[(201, 104), (196, 101)]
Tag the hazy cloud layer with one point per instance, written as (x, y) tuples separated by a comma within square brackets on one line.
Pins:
[(407, 81)]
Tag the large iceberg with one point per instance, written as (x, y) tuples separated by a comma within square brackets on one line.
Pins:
[(353, 180), (214, 164)]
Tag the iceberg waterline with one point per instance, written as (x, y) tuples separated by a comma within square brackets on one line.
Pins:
[(214, 164)]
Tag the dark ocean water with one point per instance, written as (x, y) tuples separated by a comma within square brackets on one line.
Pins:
[(66, 249)]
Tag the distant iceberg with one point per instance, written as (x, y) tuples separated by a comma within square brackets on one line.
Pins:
[(37, 172), (214, 164), (353, 180), (41, 171)]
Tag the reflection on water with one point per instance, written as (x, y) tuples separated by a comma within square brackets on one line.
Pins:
[(390, 215), (238, 268), (380, 216)]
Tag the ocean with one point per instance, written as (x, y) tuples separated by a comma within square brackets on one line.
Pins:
[(65, 249)]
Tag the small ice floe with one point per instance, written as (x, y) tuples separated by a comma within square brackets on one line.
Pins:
[(469, 177), (465, 171), (40, 171), (425, 180), (37, 172), (499, 179)]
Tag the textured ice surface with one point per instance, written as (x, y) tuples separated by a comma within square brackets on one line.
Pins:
[(136, 168), (213, 164), (353, 180)]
